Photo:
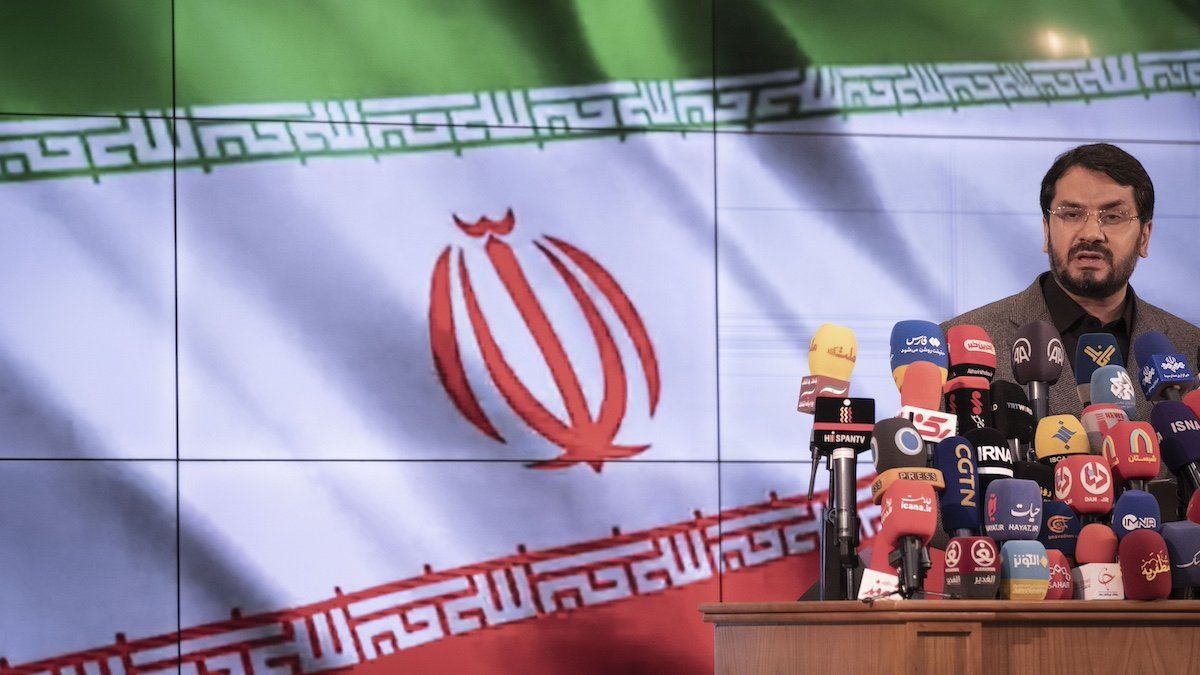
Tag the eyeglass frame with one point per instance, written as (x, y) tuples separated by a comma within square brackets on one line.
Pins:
[(1088, 213)]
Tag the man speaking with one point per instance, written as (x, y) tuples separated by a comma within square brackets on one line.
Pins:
[(1097, 208)]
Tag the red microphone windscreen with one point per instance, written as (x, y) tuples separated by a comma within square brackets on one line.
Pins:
[(972, 351), (1131, 449), (908, 508), (1193, 510), (1192, 400), (1097, 544), (1061, 587), (1145, 566), (922, 386), (1084, 483)]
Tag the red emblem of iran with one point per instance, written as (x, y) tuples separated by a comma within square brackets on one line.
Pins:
[(582, 436)]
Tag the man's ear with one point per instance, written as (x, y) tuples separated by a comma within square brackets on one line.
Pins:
[(1045, 234), (1144, 239)]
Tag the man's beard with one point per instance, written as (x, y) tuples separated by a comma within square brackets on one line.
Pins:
[(1089, 283)]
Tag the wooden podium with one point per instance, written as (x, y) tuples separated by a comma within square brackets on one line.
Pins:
[(957, 636)]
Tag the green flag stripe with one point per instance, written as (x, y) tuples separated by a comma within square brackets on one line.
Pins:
[(80, 56), (208, 137)]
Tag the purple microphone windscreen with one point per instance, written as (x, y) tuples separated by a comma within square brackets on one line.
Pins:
[(1012, 510), (1060, 528), (1179, 430), (1037, 353), (1112, 385), (1094, 351), (1011, 413), (897, 444), (1183, 546), (955, 458), (1135, 510)]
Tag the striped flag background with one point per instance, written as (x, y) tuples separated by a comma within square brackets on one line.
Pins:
[(415, 336)]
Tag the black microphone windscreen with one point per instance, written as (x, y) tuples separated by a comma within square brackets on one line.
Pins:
[(1012, 414), (897, 444), (1037, 353)]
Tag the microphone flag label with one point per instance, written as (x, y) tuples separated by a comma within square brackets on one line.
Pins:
[(582, 436)]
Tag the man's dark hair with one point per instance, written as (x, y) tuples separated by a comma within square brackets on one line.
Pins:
[(1111, 161)]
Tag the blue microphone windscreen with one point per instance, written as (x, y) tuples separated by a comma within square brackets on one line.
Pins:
[(1060, 528), (1179, 430), (916, 340), (1013, 509), (1112, 385), (1135, 510), (1096, 350), (1024, 560), (1183, 546), (1159, 366), (1149, 344), (955, 458)]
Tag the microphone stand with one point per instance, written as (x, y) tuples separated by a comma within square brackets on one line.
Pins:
[(839, 535)]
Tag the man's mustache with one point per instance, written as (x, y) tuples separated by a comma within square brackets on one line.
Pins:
[(1090, 248)]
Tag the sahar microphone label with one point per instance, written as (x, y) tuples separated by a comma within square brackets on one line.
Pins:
[(582, 436)]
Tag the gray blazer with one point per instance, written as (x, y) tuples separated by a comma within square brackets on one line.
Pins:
[(1002, 318)]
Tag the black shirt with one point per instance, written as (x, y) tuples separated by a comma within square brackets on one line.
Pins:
[(1072, 321)]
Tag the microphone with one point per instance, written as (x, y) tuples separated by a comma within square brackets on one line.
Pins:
[(1097, 577), (1096, 418), (1094, 351), (1135, 510), (922, 386), (1060, 528), (1037, 362), (1111, 385), (1165, 374), (1192, 400), (914, 341), (1024, 571), (969, 399), (921, 402), (1013, 510), (1179, 441), (842, 428), (832, 353), (993, 457), (1060, 587), (1041, 474), (899, 455), (1145, 566), (972, 568), (972, 353), (908, 510), (1013, 416), (955, 459), (1131, 450), (1097, 544), (1084, 483), (1060, 436), (1166, 491), (1183, 547)]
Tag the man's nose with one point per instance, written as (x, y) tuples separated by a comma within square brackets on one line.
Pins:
[(1090, 231)]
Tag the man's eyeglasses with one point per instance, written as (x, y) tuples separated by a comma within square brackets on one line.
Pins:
[(1108, 219)]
